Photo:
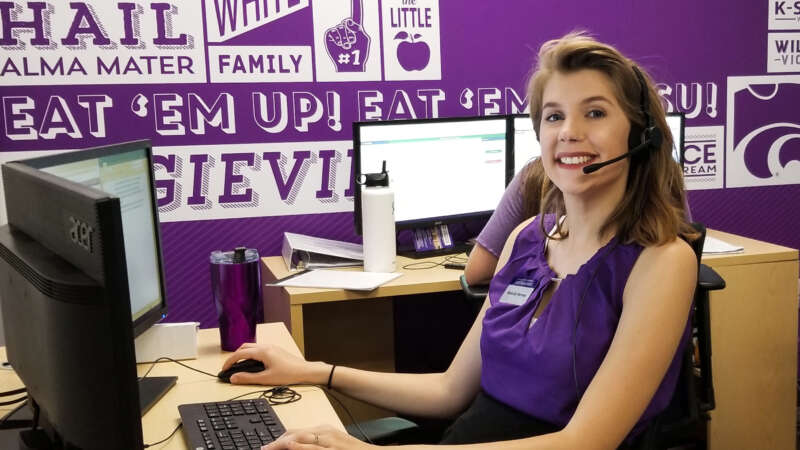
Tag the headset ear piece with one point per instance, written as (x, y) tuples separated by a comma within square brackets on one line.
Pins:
[(653, 136), (656, 137)]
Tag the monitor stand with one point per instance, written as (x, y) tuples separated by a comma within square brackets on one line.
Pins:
[(421, 254), (434, 241), (151, 389)]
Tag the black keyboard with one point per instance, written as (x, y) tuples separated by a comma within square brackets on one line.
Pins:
[(233, 425)]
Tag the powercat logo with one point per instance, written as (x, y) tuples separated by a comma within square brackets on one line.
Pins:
[(763, 131)]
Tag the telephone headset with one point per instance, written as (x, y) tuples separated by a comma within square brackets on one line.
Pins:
[(650, 137)]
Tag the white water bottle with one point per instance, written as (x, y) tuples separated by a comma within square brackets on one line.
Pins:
[(377, 223)]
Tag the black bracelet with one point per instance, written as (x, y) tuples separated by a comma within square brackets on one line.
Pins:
[(330, 376)]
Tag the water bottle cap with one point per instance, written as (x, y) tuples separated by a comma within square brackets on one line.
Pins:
[(377, 179)]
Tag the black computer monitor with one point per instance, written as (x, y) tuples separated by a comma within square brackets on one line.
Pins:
[(124, 171), (440, 170), (66, 286)]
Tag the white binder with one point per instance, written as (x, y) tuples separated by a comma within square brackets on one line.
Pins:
[(307, 252)]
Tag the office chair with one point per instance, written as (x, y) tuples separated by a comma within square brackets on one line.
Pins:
[(684, 420), (473, 295)]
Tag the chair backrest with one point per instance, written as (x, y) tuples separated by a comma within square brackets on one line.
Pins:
[(685, 417)]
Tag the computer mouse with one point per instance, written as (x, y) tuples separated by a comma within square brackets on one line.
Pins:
[(245, 365)]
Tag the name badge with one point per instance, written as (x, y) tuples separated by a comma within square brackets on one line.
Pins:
[(518, 291)]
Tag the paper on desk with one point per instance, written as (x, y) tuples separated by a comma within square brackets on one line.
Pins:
[(714, 246), (337, 279)]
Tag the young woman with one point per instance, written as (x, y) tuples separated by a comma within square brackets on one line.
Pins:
[(577, 344)]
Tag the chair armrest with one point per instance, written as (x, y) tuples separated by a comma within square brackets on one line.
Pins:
[(476, 293), (709, 280), (383, 431)]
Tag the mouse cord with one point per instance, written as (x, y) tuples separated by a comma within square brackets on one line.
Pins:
[(278, 395), (13, 411), (166, 438), (164, 358)]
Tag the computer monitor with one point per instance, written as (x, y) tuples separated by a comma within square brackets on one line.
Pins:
[(440, 170), (124, 171), (675, 121), (66, 295), (522, 140)]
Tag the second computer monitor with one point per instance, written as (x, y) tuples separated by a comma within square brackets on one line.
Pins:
[(440, 170), (524, 142), (526, 147), (675, 123)]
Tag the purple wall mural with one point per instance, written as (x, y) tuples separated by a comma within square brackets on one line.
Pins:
[(249, 103)]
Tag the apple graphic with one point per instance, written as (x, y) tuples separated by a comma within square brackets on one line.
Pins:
[(412, 53)]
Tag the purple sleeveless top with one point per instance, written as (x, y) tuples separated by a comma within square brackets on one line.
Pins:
[(531, 368)]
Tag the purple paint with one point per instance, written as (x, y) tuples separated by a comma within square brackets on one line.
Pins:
[(286, 186), (199, 162), (83, 13), (168, 162), (231, 178), (9, 25), (325, 191)]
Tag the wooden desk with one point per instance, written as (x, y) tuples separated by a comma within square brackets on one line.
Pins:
[(753, 329), (193, 387), (287, 304), (754, 346), (350, 328)]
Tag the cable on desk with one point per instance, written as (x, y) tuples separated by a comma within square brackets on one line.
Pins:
[(13, 411), (422, 265), (286, 390), (278, 395), (166, 438), (329, 393), (14, 392), (16, 400), (164, 358)]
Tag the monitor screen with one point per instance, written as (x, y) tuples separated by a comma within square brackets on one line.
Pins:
[(126, 175), (440, 170), (526, 146), (675, 123)]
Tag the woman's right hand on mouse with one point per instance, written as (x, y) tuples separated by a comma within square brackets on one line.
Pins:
[(281, 367)]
